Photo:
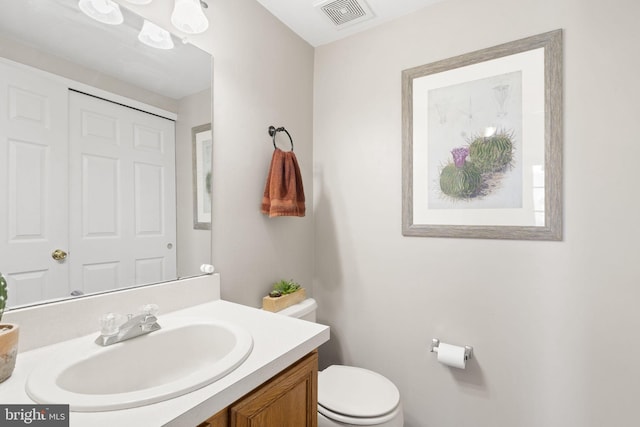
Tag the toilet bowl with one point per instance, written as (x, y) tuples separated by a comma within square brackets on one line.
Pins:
[(351, 396)]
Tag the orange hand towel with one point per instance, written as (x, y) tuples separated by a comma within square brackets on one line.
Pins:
[(283, 193)]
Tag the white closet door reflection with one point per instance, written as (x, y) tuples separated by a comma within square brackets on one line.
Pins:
[(33, 184), (122, 197)]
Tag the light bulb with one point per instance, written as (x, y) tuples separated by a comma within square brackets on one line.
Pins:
[(154, 36), (105, 11), (188, 17)]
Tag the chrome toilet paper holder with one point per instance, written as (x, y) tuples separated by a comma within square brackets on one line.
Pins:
[(468, 350)]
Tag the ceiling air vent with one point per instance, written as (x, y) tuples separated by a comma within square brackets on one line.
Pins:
[(345, 13)]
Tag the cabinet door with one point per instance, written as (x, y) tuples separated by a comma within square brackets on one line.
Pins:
[(221, 419), (288, 400)]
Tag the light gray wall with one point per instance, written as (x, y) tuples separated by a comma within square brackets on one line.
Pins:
[(554, 324), (263, 75), (26, 54), (194, 246)]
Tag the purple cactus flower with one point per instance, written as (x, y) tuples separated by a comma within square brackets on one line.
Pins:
[(460, 156)]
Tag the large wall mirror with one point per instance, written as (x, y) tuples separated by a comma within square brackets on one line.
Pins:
[(97, 172)]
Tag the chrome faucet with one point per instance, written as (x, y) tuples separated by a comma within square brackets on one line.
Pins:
[(113, 330)]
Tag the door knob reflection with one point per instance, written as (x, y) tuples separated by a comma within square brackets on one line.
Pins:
[(59, 255)]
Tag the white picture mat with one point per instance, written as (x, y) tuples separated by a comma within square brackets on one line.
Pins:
[(531, 66)]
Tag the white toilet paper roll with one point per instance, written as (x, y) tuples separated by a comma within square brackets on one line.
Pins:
[(451, 355)]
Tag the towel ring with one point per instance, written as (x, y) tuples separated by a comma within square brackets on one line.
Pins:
[(273, 131)]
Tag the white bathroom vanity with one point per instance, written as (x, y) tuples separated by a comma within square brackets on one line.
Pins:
[(281, 361)]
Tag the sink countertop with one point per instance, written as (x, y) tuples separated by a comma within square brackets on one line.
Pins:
[(273, 350)]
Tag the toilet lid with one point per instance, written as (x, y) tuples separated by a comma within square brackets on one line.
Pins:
[(356, 392)]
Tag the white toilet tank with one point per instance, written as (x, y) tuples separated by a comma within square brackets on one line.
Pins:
[(305, 310)]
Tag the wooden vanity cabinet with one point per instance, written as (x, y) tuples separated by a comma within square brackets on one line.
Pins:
[(290, 399), (221, 419)]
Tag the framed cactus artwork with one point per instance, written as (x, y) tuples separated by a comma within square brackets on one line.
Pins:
[(202, 149), (482, 143)]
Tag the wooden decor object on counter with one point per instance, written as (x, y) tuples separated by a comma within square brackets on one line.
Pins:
[(275, 304)]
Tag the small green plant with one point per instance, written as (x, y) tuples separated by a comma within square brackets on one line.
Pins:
[(3, 295), (284, 287)]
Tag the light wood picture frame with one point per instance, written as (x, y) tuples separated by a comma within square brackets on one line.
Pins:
[(482, 143), (202, 153)]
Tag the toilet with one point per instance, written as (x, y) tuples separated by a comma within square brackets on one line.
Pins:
[(350, 396)]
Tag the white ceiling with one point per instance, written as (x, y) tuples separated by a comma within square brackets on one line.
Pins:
[(313, 26), (59, 28)]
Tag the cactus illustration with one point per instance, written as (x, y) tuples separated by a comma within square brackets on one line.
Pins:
[(493, 153), (460, 179), (477, 167)]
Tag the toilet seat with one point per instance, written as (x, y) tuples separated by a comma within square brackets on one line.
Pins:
[(334, 416), (356, 396)]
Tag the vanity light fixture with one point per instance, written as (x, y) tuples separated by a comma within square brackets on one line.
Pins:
[(188, 17), (105, 11), (154, 36)]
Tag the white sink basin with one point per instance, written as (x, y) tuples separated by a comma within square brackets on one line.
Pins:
[(184, 355)]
